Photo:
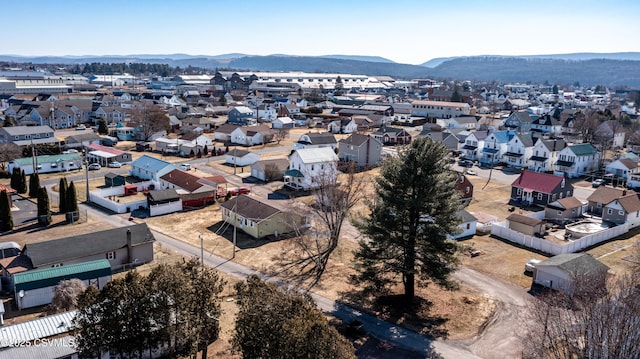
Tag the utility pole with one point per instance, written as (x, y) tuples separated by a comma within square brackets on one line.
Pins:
[(202, 250), (235, 226), (86, 174)]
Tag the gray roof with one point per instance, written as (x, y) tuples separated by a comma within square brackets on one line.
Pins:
[(163, 195), (27, 130), (356, 139), (238, 153), (525, 139), (280, 163), (60, 250), (575, 263), (465, 217), (250, 208), (321, 138), (44, 327), (558, 144)]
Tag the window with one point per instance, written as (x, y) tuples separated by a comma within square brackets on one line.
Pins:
[(519, 191), (621, 213), (539, 196), (468, 189), (599, 205), (468, 225), (609, 211), (560, 213), (57, 265), (111, 255)]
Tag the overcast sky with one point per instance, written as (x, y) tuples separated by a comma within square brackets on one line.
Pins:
[(405, 31)]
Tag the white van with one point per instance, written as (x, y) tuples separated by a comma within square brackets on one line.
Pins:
[(185, 167)]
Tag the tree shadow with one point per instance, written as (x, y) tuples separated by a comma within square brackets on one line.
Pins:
[(243, 240)]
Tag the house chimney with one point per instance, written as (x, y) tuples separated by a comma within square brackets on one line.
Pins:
[(624, 193), (129, 243)]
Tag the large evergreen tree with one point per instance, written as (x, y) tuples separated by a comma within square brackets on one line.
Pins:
[(274, 324), (71, 203), (22, 183), (6, 218), (413, 210), (34, 185), (44, 211), (15, 178), (103, 129), (62, 195)]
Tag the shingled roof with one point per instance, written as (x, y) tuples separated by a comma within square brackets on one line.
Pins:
[(537, 181), (249, 207)]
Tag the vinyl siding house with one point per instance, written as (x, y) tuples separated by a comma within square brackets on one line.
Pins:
[(519, 121), (449, 140), (241, 158), (223, 133), (465, 189), (392, 135), (613, 132), (560, 272), (544, 154), (242, 115), (563, 210), (526, 225), (519, 150), (150, 168), (345, 125), (467, 225), (28, 135), (625, 209), (473, 145), (270, 170), (48, 163), (307, 165), (576, 160), (252, 135), (282, 122), (539, 188), (316, 140), (624, 168), (132, 245), (259, 219), (495, 146), (602, 196), (364, 150), (189, 188), (546, 126), (464, 122)]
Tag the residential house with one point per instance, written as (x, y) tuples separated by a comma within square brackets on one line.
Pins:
[(252, 135), (48, 163), (563, 210), (464, 122), (465, 189), (36, 287), (163, 201), (343, 125), (392, 135), (546, 126), (267, 112), (205, 123), (439, 109), (601, 197), (495, 146), (539, 188), (448, 139), (561, 272), (223, 133), (282, 122), (519, 121), (270, 170), (625, 209), (81, 140), (364, 150), (544, 154), (241, 158), (519, 150), (474, 144), (624, 168), (28, 135), (191, 190), (467, 226), (309, 166), (316, 140), (198, 140), (526, 225), (259, 219), (577, 160), (105, 155), (610, 133), (122, 246), (150, 168), (242, 115)]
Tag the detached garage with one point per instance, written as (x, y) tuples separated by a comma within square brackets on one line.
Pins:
[(561, 271), (35, 287), (527, 225)]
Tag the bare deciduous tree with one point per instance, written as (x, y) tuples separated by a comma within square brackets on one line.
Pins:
[(280, 134), (8, 152), (590, 321), (150, 118), (65, 295), (334, 196)]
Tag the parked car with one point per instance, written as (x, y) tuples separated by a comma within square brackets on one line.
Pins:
[(466, 163), (94, 167), (597, 183), (530, 266), (239, 190), (81, 128), (115, 164), (185, 167), (471, 173)]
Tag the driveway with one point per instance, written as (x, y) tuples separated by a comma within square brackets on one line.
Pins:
[(26, 212)]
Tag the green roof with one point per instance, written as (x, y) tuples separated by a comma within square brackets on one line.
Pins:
[(583, 149), (46, 277), (48, 159)]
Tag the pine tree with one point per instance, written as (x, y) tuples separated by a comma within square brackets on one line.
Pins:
[(413, 210), (205, 150), (103, 129), (6, 218), (72, 201), (15, 178), (62, 195), (34, 185), (192, 154), (23, 183), (44, 212), (199, 155)]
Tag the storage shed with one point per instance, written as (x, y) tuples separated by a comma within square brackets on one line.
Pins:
[(113, 180), (527, 225), (35, 287), (561, 272)]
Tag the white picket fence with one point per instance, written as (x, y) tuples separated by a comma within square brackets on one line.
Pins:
[(501, 230)]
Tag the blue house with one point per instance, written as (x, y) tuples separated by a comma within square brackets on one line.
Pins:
[(149, 168), (242, 115)]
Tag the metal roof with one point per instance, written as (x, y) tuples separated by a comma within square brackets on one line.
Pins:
[(55, 348), (40, 278), (49, 159), (36, 329)]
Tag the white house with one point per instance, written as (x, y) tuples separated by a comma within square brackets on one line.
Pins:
[(241, 158), (308, 165), (473, 145), (625, 209), (559, 272), (282, 122), (316, 140), (545, 154), (576, 160), (267, 112), (465, 122), (251, 135), (518, 151), (495, 146), (223, 133), (345, 125), (625, 168), (613, 131), (467, 225)]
